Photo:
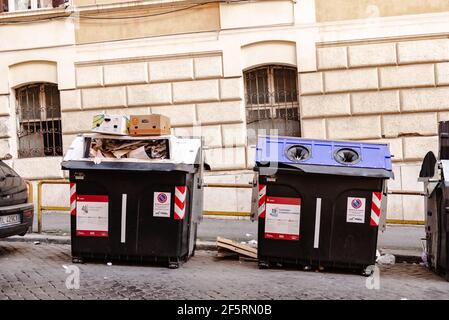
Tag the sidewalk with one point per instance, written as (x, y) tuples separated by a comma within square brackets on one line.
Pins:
[(403, 241)]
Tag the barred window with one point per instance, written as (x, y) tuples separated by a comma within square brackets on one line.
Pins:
[(4, 6), (39, 121), (272, 101), (22, 5)]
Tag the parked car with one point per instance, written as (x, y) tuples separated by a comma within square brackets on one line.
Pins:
[(16, 214)]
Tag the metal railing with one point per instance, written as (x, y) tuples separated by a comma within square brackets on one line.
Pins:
[(407, 193), (250, 185), (41, 208), (30, 191), (227, 213), (228, 185)]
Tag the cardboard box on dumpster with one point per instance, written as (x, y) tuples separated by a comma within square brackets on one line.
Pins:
[(149, 125), (110, 124)]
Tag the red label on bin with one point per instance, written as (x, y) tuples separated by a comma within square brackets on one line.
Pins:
[(280, 236), (92, 216), (88, 233), (92, 198), (282, 217)]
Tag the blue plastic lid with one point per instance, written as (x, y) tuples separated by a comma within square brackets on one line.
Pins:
[(299, 151)]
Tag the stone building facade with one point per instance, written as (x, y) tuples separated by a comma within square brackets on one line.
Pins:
[(371, 70)]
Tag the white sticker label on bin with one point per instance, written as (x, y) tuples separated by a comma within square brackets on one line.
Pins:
[(356, 210), (282, 218), (161, 204), (92, 213)]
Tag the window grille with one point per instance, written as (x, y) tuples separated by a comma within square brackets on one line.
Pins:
[(39, 121), (23, 5), (271, 94)]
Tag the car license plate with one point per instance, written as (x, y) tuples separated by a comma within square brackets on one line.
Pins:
[(9, 220)]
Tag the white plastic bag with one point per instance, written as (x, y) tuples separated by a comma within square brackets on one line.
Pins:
[(386, 259)]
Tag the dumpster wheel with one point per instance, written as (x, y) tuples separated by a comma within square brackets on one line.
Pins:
[(77, 260), (264, 264), (173, 263)]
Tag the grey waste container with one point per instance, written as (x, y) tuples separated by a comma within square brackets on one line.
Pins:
[(319, 203), (435, 175), (135, 210)]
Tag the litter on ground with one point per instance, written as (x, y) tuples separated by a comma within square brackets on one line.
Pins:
[(227, 247)]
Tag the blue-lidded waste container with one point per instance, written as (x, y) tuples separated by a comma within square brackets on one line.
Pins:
[(319, 203)]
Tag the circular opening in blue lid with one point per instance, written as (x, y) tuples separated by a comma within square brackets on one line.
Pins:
[(347, 156), (297, 153)]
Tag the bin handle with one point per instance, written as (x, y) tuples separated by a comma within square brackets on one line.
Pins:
[(202, 164), (254, 197)]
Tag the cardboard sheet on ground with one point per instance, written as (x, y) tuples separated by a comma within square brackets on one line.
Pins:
[(234, 246)]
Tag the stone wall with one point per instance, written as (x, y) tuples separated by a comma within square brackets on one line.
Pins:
[(337, 10), (191, 90), (5, 133), (394, 92), (358, 83)]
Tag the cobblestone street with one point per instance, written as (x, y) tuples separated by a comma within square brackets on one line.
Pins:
[(31, 271)]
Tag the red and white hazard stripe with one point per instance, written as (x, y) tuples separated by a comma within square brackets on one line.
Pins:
[(180, 202), (73, 199), (262, 201), (375, 208)]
